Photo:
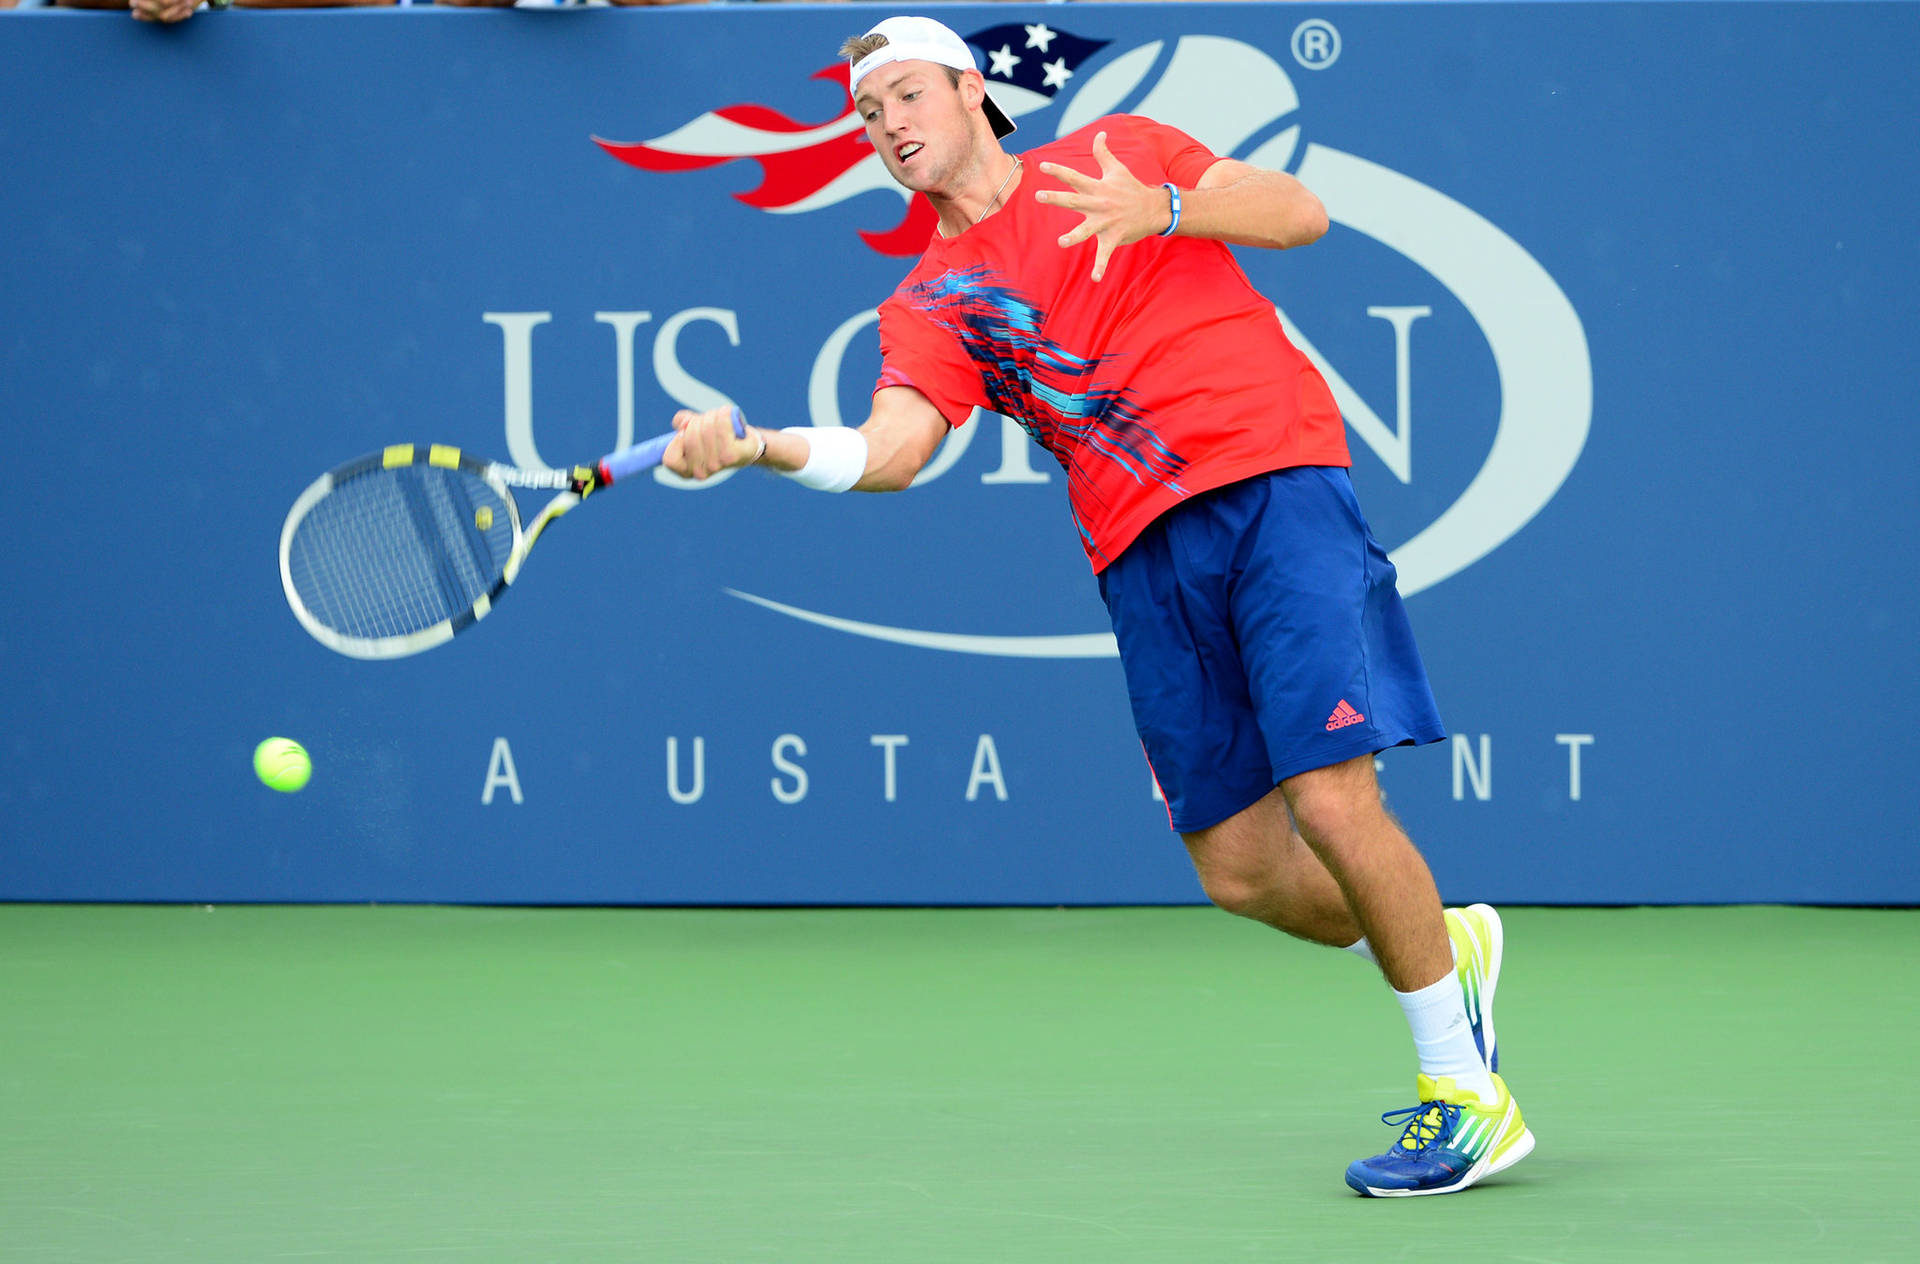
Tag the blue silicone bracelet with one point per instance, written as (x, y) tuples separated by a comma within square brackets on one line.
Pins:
[(1173, 195)]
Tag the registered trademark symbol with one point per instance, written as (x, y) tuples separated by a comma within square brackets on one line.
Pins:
[(1316, 44)]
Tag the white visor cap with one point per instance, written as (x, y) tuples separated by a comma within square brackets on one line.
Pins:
[(923, 39)]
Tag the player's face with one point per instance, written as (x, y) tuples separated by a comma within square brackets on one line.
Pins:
[(917, 119)]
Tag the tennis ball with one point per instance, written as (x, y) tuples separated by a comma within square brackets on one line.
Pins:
[(282, 763)]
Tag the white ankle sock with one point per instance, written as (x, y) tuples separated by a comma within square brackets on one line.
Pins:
[(1443, 1037)]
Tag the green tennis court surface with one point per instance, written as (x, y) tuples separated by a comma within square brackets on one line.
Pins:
[(374, 1084)]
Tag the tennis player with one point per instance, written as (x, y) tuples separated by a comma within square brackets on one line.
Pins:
[(1085, 288)]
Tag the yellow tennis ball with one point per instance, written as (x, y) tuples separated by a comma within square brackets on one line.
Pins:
[(282, 763)]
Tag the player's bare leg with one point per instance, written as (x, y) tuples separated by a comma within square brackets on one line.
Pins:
[(1254, 864), (1385, 880), (1345, 871)]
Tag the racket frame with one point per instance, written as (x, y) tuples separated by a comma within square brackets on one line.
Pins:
[(500, 478), (572, 487)]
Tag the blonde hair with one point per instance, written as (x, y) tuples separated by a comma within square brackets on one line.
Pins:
[(857, 46)]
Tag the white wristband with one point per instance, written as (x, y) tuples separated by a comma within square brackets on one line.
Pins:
[(836, 457)]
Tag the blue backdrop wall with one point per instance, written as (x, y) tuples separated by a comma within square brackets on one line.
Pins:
[(1618, 302)]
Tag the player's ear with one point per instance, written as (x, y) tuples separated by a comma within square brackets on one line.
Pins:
[(973, 89)]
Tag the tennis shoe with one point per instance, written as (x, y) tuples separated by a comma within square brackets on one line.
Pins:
[(1478, 944), (1449, 1141)]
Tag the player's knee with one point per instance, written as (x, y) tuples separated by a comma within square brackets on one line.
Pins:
[(1242, 892), (1329, 812)]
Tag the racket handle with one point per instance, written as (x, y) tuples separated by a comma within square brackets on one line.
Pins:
[(644, 456)]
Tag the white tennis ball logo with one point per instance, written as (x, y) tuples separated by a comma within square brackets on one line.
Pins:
[(1219, 91)]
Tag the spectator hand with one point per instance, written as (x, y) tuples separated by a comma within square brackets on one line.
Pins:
[(163, 10)]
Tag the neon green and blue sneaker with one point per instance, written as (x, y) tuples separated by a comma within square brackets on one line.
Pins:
[(1478, 944), (1449, 1141)]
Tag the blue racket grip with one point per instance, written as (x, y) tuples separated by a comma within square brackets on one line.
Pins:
[(644, 456)]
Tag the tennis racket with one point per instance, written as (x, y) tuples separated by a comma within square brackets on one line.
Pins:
[(407, 547)]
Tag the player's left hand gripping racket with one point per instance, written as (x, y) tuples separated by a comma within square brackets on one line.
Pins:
[(398, 551)]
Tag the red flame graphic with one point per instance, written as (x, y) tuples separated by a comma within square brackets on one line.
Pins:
[(789, 176)]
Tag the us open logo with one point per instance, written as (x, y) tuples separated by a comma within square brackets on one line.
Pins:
[(1238, 101)]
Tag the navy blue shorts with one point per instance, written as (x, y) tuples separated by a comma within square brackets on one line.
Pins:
[(1263, 637)]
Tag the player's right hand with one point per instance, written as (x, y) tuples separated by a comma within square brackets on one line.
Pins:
[(707, 445)]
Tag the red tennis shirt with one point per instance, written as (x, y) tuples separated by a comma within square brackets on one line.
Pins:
[(1166, 379)]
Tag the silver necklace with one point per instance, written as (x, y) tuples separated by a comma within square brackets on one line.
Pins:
[(995, 199)]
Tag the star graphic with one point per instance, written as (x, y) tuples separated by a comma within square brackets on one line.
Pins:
[(1003, 61), (1040, 36), (1057, 73)]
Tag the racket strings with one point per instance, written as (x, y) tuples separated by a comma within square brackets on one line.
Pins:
[(399, 550)]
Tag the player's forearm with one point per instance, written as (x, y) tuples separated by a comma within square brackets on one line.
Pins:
[(1260, 208), (884, 454), (888, 467)]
